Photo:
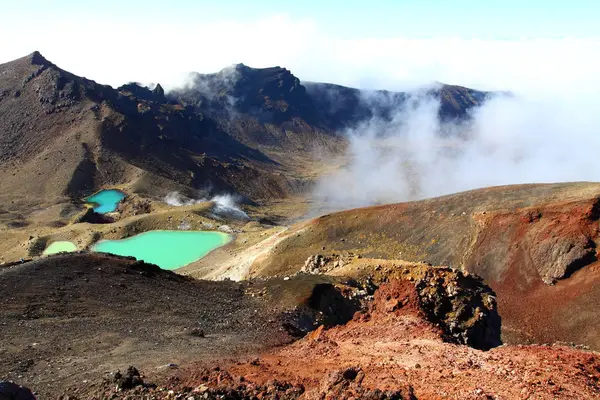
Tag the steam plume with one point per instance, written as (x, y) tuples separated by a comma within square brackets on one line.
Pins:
[(509, 140), (225, 205)]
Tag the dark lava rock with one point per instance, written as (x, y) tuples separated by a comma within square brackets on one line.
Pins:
[(12, 391), (130, 380), (458, 302)]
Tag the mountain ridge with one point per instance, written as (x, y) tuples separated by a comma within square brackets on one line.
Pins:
[(243, 130), (63, 136)]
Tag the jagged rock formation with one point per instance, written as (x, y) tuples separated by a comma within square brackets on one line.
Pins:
[(458, 302), (321, 264), (159, 92), (461, 304), (141, 92)]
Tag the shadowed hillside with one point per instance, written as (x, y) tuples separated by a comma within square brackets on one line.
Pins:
[(62, 137), (344, 107), (272, 108)]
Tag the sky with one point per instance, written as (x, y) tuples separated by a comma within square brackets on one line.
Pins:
[(533, 46)]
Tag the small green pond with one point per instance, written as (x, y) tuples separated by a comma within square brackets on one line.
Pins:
[(167, 249), (59, 247), (106, 201)]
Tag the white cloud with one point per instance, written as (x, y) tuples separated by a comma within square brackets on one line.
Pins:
[(115, 51), (511, 140)]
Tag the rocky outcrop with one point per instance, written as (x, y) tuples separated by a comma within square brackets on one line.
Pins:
[(129, 380), (458, 302), (461, 305), (320, 264), (551, 241), (134, 205)]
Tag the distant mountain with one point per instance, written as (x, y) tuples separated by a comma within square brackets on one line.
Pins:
[(243, 130), (275, 95), (272, 94), (344, 107)]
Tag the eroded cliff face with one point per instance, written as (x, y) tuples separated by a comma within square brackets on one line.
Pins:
[(551, 241)]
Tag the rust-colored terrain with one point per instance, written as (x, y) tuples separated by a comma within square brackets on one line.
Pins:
[(397, 347), (535, 245), (404, 331)]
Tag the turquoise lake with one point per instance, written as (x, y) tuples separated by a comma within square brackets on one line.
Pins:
[(106, 201), (167, 249)]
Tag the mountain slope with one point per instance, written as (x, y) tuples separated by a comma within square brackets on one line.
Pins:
[(243, 130), (62, 137), (535, 245)]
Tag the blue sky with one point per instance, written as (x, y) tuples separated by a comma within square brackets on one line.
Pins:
[(487, 44), (356, 18)]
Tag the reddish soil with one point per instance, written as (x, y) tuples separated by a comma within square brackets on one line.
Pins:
[(391, 351)]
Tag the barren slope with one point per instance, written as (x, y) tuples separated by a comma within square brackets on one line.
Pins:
[(534, 244), (70, 318)]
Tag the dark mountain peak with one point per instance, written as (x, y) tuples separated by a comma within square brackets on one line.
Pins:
[(31, 61), (37, 58), (456, 101), (240, 67), (267, 93), (137, 90), (159, 91)]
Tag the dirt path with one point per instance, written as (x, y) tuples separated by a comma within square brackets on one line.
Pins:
[(238, 267)]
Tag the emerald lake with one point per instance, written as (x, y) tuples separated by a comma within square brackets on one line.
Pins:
[(106, 201), (167, 249)]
